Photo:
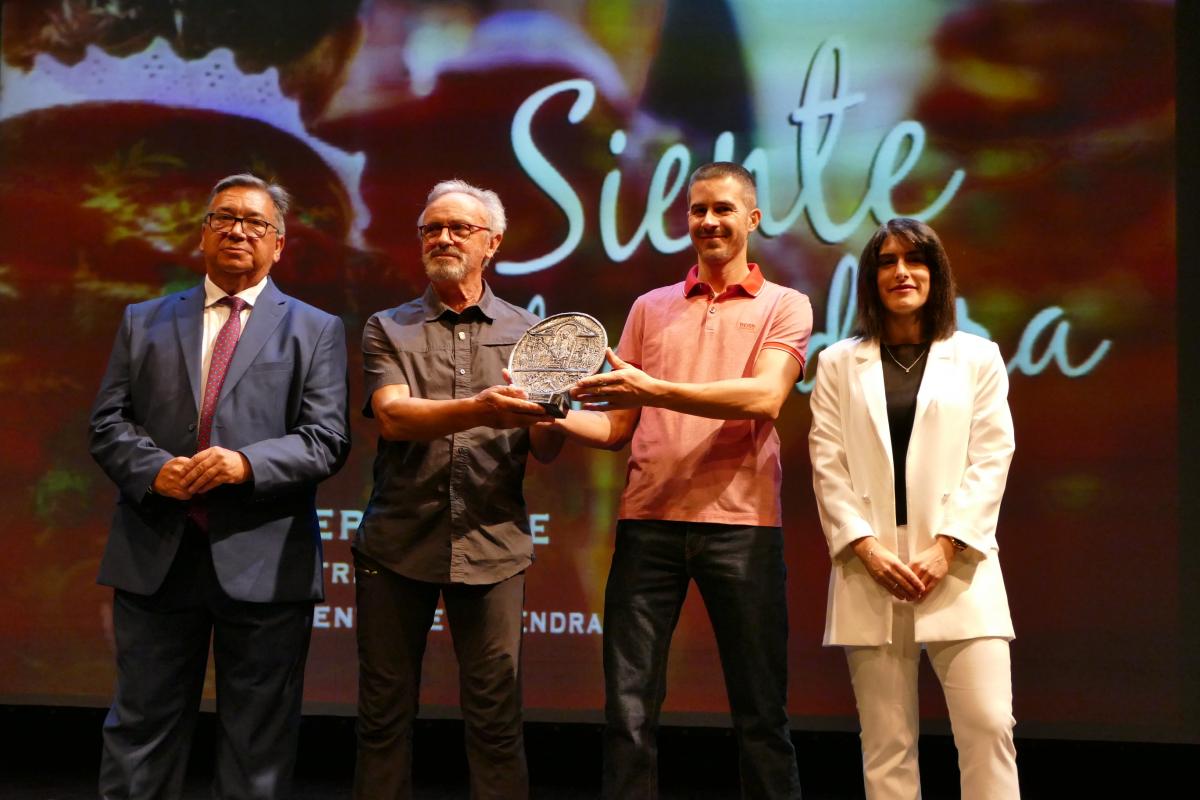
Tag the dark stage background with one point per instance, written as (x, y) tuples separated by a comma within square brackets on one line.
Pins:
[(1037, 137)]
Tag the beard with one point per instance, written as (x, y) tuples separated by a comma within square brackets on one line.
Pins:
[(439, 268)]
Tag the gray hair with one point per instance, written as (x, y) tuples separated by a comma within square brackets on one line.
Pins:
[(497, 221), (279, 195)]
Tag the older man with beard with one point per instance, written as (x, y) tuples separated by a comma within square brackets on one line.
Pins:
[(446, 516)]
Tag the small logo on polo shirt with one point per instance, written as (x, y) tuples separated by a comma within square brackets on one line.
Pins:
[(747, 326)]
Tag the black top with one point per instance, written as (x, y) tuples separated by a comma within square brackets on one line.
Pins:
[(901, 389), (448, 510)]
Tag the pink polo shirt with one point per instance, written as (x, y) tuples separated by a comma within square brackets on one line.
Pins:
[(694, 469)]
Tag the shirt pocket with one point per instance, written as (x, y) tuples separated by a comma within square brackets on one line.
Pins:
[(492, 357), (410, 341), (413, 363)]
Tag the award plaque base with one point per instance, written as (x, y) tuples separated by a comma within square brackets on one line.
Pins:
[(556, 405)]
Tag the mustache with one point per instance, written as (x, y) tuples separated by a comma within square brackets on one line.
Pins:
[(445, 249)]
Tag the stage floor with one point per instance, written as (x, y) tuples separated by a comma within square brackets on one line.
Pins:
[(53, 754)]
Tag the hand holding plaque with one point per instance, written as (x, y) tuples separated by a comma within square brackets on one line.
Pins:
[(553, 355)]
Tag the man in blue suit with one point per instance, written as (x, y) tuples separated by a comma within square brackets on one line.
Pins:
[(221, 410)]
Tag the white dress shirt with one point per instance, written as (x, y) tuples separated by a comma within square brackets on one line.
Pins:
[(216, 315)]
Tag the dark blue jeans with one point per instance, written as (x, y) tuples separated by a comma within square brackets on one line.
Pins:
[(741, 576)]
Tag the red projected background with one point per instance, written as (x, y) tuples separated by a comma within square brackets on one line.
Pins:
[(1037, 137)]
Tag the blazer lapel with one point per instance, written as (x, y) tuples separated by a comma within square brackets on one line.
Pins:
[(941, 362), (264, 318), (189, 326), (870, 377)]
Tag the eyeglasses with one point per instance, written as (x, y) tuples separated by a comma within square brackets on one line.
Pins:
[(252, 227), (459, 231)]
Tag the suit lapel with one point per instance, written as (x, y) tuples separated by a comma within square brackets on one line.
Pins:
[(264, 318), (189, 326), (870, 377)]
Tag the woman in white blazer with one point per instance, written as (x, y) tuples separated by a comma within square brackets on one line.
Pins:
[(911, 441)]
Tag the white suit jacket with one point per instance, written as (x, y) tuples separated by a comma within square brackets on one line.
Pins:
[(958, 457)]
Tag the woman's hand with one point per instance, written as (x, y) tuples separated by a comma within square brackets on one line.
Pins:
[(888, 570), (932, 563)]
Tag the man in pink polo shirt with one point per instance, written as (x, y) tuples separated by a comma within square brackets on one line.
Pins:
[(704, 367)]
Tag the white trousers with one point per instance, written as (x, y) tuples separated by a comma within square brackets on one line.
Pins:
[(976, 677)]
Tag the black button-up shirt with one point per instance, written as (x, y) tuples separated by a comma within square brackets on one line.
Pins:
[(449, 510)]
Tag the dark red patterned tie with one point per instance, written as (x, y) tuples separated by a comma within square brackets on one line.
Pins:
[(222, 354)]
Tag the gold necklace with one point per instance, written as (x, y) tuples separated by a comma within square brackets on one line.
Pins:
[(909, 368)]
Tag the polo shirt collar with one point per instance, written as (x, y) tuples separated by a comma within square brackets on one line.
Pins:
[(435, 308), (750, 286)]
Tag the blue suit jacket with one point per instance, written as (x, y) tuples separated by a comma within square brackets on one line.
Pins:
[(283, 405)]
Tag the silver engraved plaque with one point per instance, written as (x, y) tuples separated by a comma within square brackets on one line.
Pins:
[(553, 355)]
